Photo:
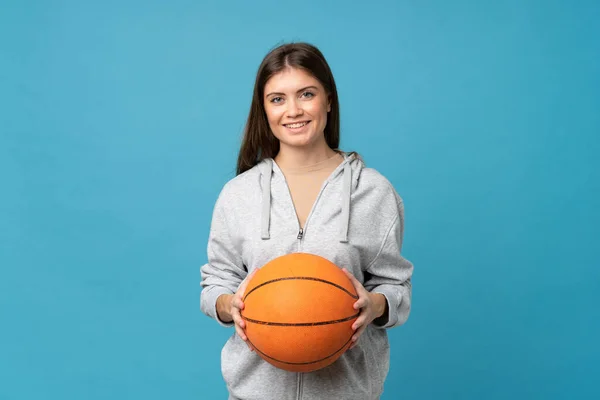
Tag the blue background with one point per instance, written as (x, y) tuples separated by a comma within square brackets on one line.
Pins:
[(120, 122)]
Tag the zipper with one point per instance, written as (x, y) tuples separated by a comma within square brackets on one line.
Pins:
[(312, 210), (299, 391), (302, 230)]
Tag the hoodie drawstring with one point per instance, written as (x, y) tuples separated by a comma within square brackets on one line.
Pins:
[(266, 201), (346, 189)]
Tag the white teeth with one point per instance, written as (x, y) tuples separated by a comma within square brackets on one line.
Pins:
[(298, 125)]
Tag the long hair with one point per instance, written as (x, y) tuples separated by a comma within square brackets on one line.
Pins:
[(259, 142)]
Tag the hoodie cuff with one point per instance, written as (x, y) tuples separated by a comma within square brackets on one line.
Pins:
[(393, 301), (209, 304)]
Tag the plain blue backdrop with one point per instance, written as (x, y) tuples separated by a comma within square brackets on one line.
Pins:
[(120, 121)]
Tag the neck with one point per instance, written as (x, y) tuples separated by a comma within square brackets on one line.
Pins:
[(298, 157)]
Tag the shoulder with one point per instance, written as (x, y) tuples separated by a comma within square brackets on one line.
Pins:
[(374, 184), (242, 183), (239, 188)]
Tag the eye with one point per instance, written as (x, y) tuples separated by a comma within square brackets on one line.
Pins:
[(276, 100), (308, 95)]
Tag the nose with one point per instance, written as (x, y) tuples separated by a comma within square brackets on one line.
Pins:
[(293, 109)]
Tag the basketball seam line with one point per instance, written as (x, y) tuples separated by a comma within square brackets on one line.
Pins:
[(305, 362), (336, 321), (308, 278)]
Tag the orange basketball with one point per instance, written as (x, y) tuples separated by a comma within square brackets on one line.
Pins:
[(298, 310)]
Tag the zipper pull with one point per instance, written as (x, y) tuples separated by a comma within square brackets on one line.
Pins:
[(300, 233)]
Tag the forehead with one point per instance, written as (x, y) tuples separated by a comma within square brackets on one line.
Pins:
[(291, 80)]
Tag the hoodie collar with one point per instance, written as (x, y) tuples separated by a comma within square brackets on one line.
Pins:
[(350, 168)]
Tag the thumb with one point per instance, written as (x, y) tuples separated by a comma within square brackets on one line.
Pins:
[(245, 282), (354, 281)]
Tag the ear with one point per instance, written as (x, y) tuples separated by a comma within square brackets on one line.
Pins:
[(329, 103)]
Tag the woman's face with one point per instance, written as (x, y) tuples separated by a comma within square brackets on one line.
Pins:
[(296, 105)]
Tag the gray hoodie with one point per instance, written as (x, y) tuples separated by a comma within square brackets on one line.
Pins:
[(356, 222)]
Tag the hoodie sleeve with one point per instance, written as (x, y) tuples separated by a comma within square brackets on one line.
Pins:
[(390, 274), (224, 270)]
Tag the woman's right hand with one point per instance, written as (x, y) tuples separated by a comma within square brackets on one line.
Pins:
[(232, 307)]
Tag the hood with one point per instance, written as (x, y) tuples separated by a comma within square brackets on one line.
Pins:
[(350, 170)]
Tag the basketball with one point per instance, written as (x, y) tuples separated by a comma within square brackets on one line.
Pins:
[(298, 310)]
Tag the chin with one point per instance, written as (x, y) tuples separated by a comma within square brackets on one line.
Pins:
[(298, 141), (292, 140)]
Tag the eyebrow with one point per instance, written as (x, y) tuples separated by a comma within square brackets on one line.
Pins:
[(300, 90)]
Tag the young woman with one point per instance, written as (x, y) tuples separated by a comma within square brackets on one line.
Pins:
[(295, 191)]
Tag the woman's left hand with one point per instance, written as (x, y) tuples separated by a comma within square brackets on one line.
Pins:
[(372, 306)]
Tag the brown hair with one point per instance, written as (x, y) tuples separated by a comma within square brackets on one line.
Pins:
[(259, 142)]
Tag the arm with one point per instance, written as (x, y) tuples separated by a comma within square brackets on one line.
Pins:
[(389, 275), (224, 272)]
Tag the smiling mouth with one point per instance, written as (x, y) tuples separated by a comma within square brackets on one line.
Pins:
[(296, 125)]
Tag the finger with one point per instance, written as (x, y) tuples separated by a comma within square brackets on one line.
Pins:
[(237, 318), (354, 342), (239, 327), (351, 276), (240, 332), (237, 302), (237, 305), (360, 321), (358, 334), (361, 302)]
